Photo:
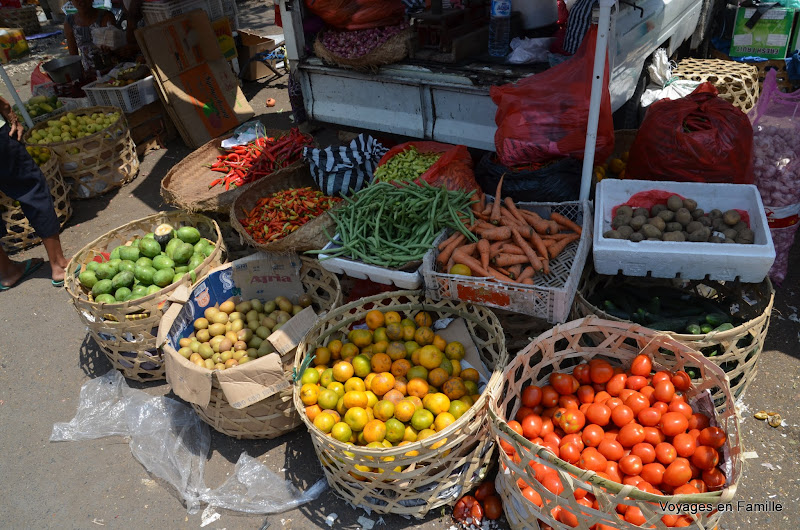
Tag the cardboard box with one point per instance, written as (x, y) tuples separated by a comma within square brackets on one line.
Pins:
[(12, 44), (253, 44), (263, 276), (222, 29), (769, 38), (198, 87)]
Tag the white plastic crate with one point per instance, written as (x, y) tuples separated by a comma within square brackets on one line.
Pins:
[(687, 260), (129, 98), (155, 12), (364, 271), (550, 298)]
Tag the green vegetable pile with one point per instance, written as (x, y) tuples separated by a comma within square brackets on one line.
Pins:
[(390, 226), (406, 166)]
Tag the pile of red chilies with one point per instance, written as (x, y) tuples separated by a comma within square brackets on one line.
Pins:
[(283, 212), (262, 157)]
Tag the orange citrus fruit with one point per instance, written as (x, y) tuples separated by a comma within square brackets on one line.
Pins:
[(322, 356), (327, 399), (423, 336), (411, 346), (379, 335), (309, 393), (382, 383), (326, 377), (324, 422), (439, 342), (393, 395), (454, 351), (333, 413), (349, 350), (437, 377), (430, 357), (380, 346), (394, 331), (400, 367), (423, 319), (461, 270), (454, 388), (361, 365), (392, 317), (443, 420), (470, 374), (381, 362), (355, 398), (395, 430), (335, 346), (457, 408), (342, 432), (436, 403), (417, 387), (356, 418), (360, 337), (313, 411), (375, 319), (396, 350), (374, 431), (409, 331), (368, 379), (417, 372), (410, 436), (401, 385), (383, 410), (416, 401), (471, 386), (372, 399), (456, 367), (337, 387), (422, 419), (354, 383), (404, 409)]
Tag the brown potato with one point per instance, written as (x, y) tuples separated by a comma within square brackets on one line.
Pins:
[(638, 222), (650, 231), (674, 227), (657, 208), (674, 236), (636, 237), (667, 215), (612, 234), (674, 203), (625, 210), (694, 225), (683, 216), (689, 204), (625, 231), (641, 211), (731, 217), (698, 213), (658, 223)]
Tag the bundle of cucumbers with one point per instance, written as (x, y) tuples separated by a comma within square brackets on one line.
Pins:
[(146, 265)]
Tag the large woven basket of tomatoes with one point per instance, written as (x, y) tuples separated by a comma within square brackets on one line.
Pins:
[(408, 431), (614, 434)]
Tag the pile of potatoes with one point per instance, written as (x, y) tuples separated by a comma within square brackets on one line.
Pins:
[(679, 220)]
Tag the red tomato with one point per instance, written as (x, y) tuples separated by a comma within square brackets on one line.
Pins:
[(592, 459), (592, 435), (531, 426), (611, 449), (585, 394), (660, 376), (584, 407), (598, 387), (572, 439), (601, 372), (552, 437), (698, 421), (493, 507), (570, 452), (673, 423), (682, 381), (531, 396), (634, 515), (601, 396), (647, 392), (522, 412), (649, 417), (484, 490), (712, 437), (669, 519), (616, 384), (632, 480), (699, 484), (548, 412), (631, 434), (653, 436), (564, 384), (547, 426), (581, 373), (551, 446), (696, 471), (684, 444), (705, 457), (664, 391), (645, 451), (468, 507), (647, 487), (532, 495), (653, 473), (642, 365), (695, 434), (612, 470), (569, 402), (679, 405), (666, 453), (567, 517), (521, 484), (714, 479), (541, 471), (621, 415), (516, 427), (625, 393), (553, 484), (611, 434), (630, 465), (686, 489), (637, 402), (599, 414), (549, 396), (636, 382), (660, 406), (678, 473), (613, 402)]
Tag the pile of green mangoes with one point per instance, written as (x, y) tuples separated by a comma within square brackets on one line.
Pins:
[(39, 106), (146, 265), (71, 127), (230, 334)]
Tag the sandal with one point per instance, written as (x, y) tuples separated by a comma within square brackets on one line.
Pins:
[(31, 266)]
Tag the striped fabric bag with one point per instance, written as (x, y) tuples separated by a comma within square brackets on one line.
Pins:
[(340, 170)]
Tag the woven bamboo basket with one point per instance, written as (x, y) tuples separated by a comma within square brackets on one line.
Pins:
[(275, 415), (446, 465), (394, 50), (185, 185), (560, 349), (738, 348), (19, 232), (310, 236), (736, 82), (126, 331), (99, 162), (784, 83), (21, 17)]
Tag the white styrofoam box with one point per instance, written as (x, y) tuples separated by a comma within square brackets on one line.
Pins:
[(364, 271), (550, 298), (687, 260)]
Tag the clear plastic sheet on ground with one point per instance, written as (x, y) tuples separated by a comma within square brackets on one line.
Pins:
[(172, 443)]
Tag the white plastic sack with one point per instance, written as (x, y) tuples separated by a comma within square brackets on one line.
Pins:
[(172, 443), (662, 83), (526, 50)]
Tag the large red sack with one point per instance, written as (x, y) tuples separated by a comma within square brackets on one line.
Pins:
[(698, 138), (358, 14), (453, 170), (544, 117)]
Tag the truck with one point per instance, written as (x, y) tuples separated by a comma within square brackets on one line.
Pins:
[(451, 104)]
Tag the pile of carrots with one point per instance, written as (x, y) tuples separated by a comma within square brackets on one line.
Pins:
[(513, 244)]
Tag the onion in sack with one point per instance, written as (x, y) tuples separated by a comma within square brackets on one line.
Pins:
[(352, 44)]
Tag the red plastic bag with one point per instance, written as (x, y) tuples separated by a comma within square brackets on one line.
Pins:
[(453, 170), (38, 77), (358, 14), (698, 138), (544, 117)]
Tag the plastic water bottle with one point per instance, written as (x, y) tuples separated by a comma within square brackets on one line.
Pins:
[(500, 28)]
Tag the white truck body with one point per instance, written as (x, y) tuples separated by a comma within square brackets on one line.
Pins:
[(452, 104)]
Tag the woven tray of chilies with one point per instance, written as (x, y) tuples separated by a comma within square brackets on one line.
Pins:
[(211, 178)]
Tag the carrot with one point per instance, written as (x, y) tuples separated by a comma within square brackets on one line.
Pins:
[(474, 265), (504, 260), (503, 270), (450, 264), (538, 224), (527, 281), (514, 271), (512, 208), (500, 276), (526, 274), (548, 242), (469, 249), (497, 234), (555, 228), (509, 248), (444, 244), (482, 200), (445, 254), (495, 247), (556, 237), (560, 219), (495, 217), (538, 244), (521, 243), (487, 210), (483, 251), (556, 249)]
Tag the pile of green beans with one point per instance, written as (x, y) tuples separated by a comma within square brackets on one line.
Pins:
[(390, 225), (406, 166)]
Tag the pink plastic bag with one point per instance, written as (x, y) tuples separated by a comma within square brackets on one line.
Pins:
[(776, 166)]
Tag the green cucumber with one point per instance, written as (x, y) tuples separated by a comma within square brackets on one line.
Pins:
[(672, 324), (717, 319), (693, 329)]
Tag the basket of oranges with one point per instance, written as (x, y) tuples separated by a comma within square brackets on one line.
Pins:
[(394, 391), (613, 435)]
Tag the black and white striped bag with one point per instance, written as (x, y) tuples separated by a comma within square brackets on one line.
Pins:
[(337, 170)]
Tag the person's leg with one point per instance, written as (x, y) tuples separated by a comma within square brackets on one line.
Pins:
[(58, 263)]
